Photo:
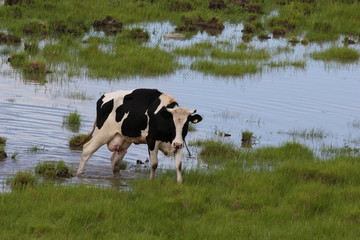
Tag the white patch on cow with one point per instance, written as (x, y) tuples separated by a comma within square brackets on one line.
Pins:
[(118, 97), (165, 99), (180, 117), (145, 132)]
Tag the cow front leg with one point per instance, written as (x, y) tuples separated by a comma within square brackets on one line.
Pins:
[(154, 160), (88, 150), (178, 158), (117, 158)]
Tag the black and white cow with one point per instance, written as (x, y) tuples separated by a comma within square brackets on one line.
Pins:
[(141, 116)]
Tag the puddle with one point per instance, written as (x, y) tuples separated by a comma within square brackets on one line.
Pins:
[(321, 96)]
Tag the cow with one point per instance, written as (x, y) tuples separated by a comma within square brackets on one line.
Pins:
[(140, 116)]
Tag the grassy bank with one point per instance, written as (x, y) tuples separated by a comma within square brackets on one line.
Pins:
[(296, 196)]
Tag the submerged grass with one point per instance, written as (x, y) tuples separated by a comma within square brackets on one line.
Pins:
[(300, 198), (340, 54), (223, 69)]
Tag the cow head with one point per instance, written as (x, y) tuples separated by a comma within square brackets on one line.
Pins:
[(181, 118)]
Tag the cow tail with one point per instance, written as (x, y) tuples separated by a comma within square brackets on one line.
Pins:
[(88, 137)]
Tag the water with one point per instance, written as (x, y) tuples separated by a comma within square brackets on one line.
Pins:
[(323, 96)]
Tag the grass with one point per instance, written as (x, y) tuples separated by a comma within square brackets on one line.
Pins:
[(3, 154), (72, 121), (249, 54), (80, 95), (36, 149), (247, 139), (311, 133), (76, 140), (339, 54), (22, 180), (125, 60), (3, 140), (52, 170), (223, 69), (300, 198), (284, 64)]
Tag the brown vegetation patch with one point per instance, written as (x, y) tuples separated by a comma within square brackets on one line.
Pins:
[(109, 25), (37, 67), (64, 29), (246, 38), (3, 154), (213, 26), (248, 28), (264, 37), (181, 6), (242, 3), (278, 32), (14, 2), (282, 22), (8, 38), (217, 4), (324, 178)]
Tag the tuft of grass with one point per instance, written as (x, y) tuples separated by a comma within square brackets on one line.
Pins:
[(339, 54), (216, 152), (307, 133), (125, 60), (195, 50), (3, 154), (249, 54), (79, 95), (52, 170), (247, 139), (284, 64), (3, 140), (222, 69), (21, 180), (36, 149), (14, 155), (75, 142), (72, 121)]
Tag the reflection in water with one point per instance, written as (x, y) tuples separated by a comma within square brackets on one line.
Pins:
[(321, 96)]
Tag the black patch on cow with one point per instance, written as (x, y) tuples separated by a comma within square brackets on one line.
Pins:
[(172, 105), (103, 111), (161, 127), (136, 104)]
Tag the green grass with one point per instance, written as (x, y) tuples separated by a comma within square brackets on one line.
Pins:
[(300, 198), (72, 121), (311, 133), (80, 95), (126, 59), (3, 154), (284, 64), (3, 140), (36, 149), (22, 180), (76, 140), (195, 50), (53, 170), (223, 69), (249, 54), (339, 54)]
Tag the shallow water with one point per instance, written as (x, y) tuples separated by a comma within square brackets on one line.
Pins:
[(323, 97)]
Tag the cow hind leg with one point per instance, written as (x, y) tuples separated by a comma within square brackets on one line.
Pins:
[(117, 158), (88, 150), (154, 161)]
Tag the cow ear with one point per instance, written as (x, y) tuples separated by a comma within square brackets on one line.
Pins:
[(194, 118)]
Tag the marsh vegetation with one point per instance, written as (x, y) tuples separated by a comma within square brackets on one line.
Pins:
[(61, 53), (280, 192)]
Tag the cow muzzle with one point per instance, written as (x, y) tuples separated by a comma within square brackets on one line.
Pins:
[(177, 145)]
